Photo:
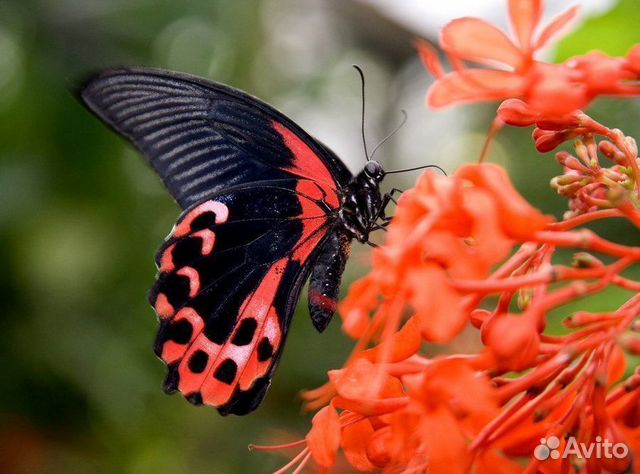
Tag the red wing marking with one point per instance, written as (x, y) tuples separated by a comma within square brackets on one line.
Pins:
[(166, 262), (253, 360), (163, 307), (309, 188), (310, 226), (173, 351), (257, 306), (194, 279), (190, 381), (221, 211), (208, 240), (308, 164)]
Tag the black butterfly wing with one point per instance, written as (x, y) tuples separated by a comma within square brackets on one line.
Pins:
[(261, 198), (202, 137)]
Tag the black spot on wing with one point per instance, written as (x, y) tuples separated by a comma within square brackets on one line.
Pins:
[(245, 332), (198, 361), (226, 372), (186, 251), (179, 331), (206, 220), (175, 287), (265, 349)]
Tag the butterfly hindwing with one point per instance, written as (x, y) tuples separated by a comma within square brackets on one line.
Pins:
[(229, 276)]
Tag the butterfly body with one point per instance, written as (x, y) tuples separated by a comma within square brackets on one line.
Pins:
[(265, 207)]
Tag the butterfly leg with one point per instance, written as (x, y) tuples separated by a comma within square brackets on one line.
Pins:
[(386, 200), (382, 226)]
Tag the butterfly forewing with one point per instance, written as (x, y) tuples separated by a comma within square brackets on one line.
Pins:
[(202, 137), (260, 198)]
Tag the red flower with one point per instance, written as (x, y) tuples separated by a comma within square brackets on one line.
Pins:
[(552, 90), (477, 41), (446, 227), (468, 251)]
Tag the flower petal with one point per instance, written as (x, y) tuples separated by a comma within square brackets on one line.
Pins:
[(474, 85), (447, 449), (430, 58), (355, 439), (362, 379), (556, 26), (448, 381), (355, 308), (525, 16), (323, 439), (519, 218), (473, 39), (438, 310), (405, 343), (633, 59), (492, 461), (371, 406)]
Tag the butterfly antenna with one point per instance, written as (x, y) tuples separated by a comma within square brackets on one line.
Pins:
[(396, 130), (418, 168), (364, 138)]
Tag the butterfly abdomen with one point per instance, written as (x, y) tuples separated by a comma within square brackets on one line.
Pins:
[(324, 285)]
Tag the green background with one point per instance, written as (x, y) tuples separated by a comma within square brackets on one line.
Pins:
[(81, 215)]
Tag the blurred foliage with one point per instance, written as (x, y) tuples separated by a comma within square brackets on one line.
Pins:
[(617, 31), (81, 215)]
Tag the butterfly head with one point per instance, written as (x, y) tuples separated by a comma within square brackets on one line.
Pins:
[(373, 170)]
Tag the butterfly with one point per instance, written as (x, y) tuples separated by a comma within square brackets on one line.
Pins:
[(265, 207)]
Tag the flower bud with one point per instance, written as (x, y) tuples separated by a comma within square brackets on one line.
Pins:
[(581, 150), (612, 152), (630, 344), (514, 340), (569, 161), (548, 141), (564, 122), (631, 145), (517, 113)]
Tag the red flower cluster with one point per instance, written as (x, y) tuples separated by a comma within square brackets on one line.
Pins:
[(467, 251), (468, 254), (550, 90)]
